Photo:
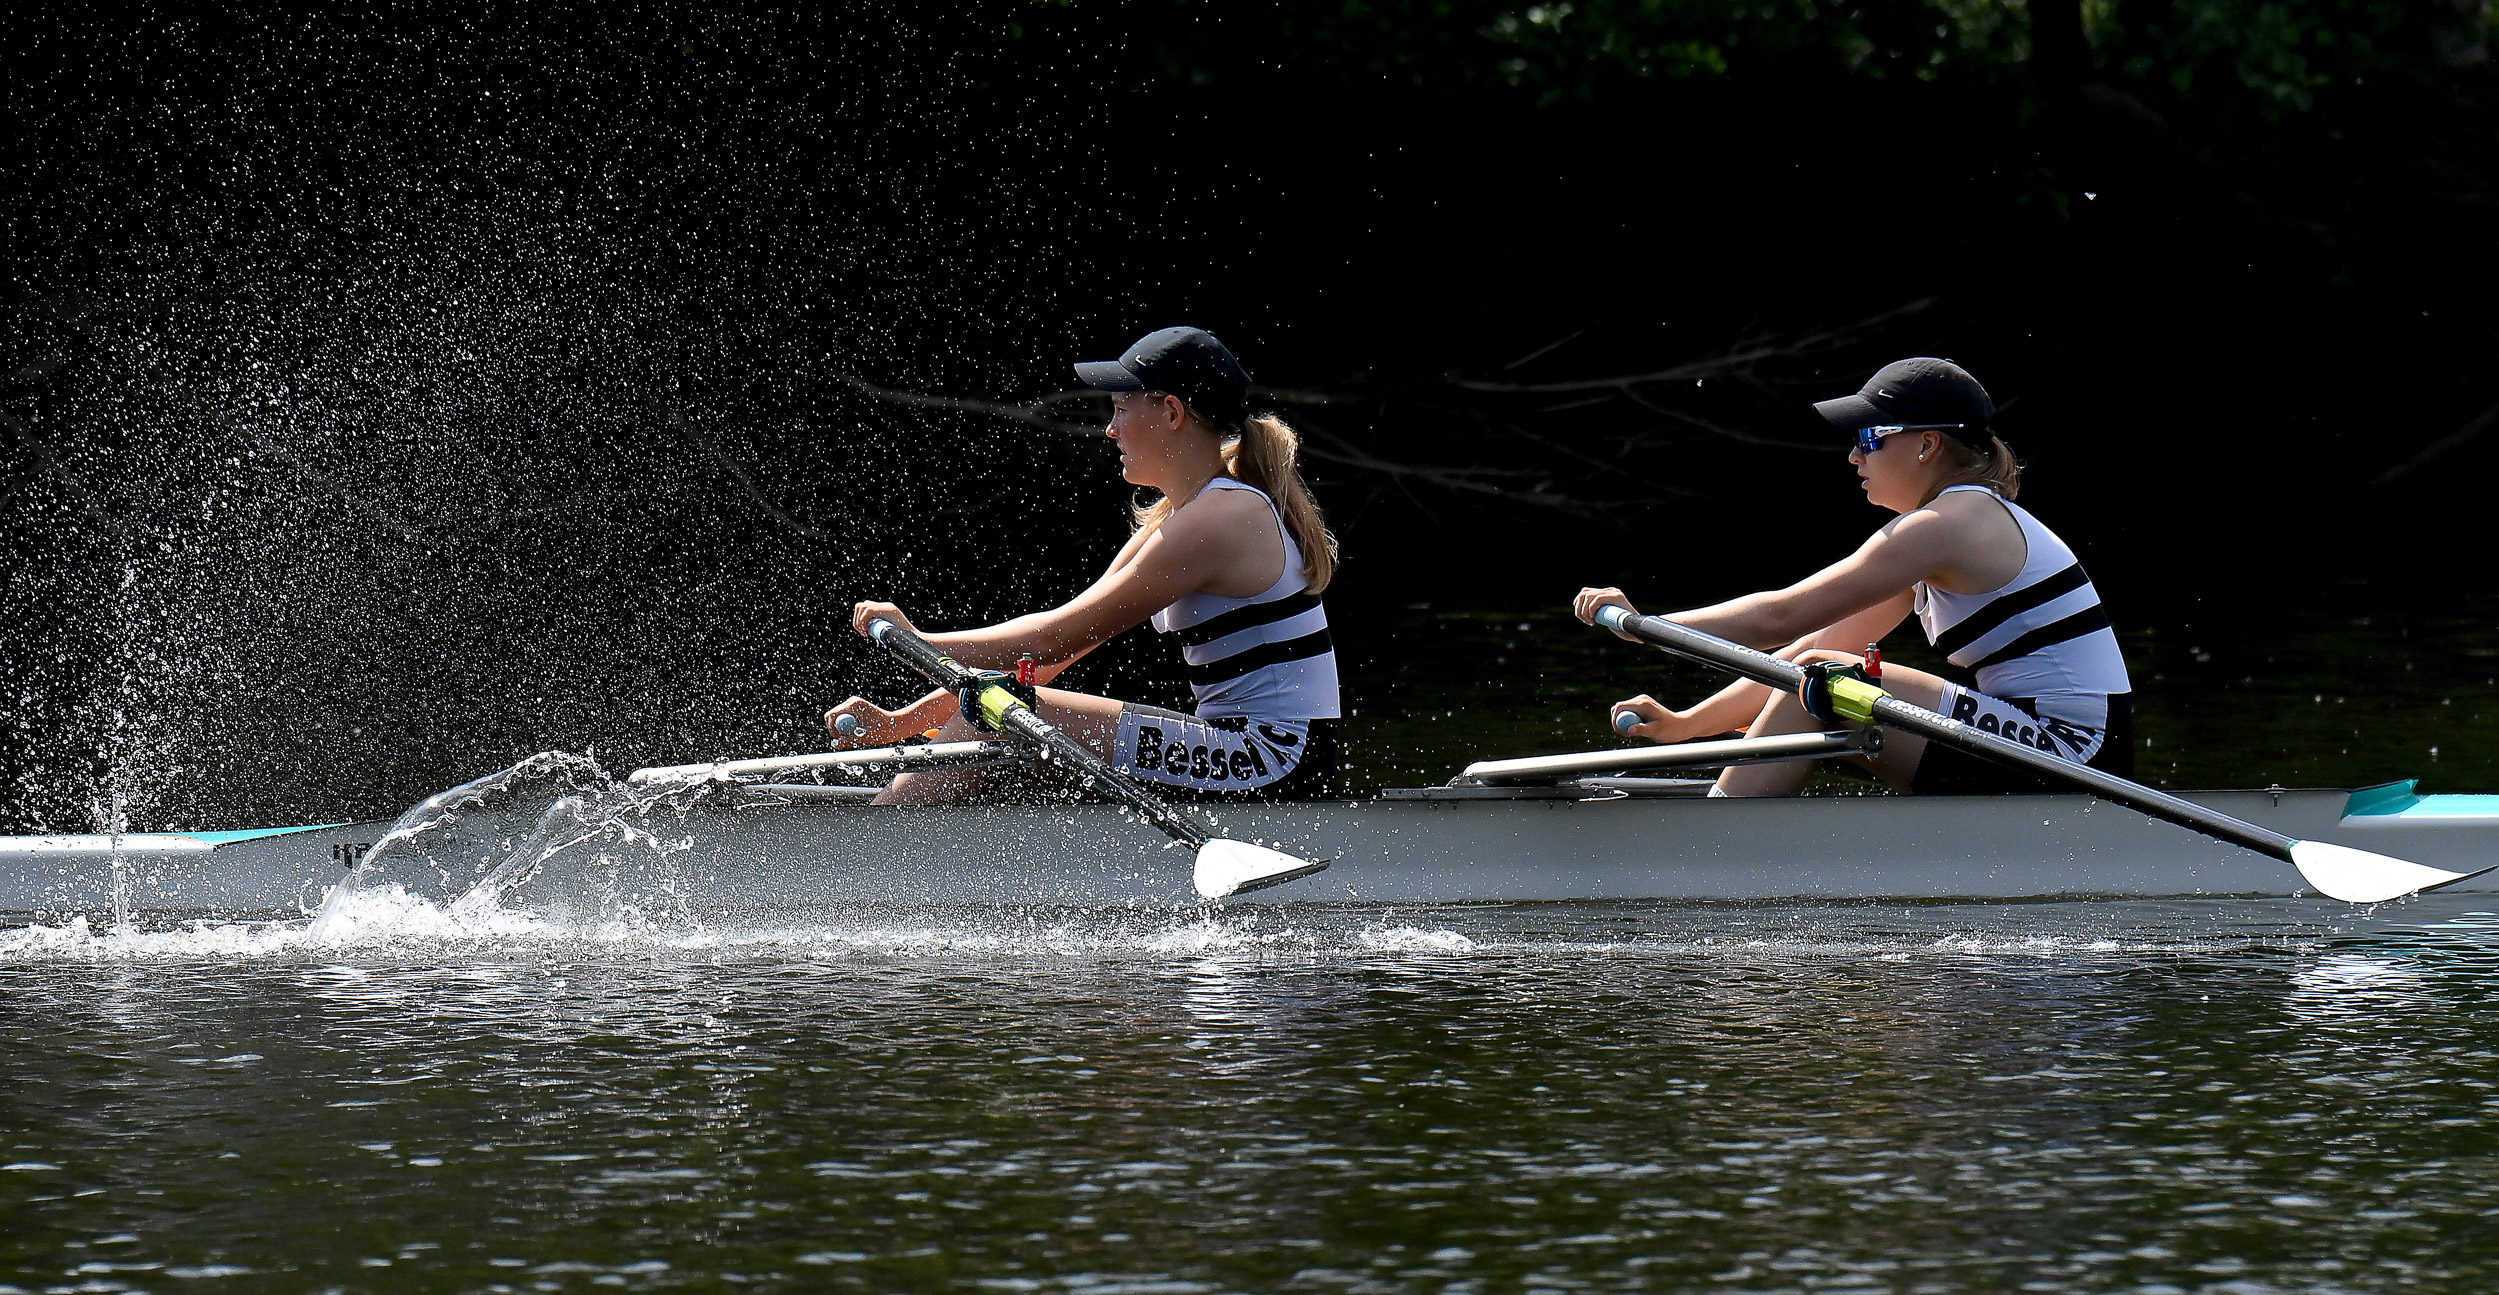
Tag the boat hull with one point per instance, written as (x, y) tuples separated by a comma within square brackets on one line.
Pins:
[(720, 857)]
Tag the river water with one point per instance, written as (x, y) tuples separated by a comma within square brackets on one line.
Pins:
[(2087, 1097)]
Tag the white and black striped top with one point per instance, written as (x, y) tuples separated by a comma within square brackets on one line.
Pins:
[(2042, 634), (1267, 657)]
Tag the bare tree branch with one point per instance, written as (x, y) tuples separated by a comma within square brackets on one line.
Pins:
[(1614, 467), (2479, 424), (1547, 349), (1716, 428), (1033, 413), (1742, 358), (677, 423), (1488, 482), (1306, 396)]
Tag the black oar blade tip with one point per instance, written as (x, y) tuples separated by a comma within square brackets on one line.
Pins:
[(2361, 877), (1226, 868)]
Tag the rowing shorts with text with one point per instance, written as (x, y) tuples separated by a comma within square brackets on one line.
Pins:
[(1228, 758), (2092, 729)]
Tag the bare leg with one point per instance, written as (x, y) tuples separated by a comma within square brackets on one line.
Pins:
[(1091, 720), (1785, 714)]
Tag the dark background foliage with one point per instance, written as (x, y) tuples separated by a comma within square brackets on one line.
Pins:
[(393, 392)]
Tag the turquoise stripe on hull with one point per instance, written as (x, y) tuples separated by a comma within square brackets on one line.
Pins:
[(250, 833), (2398, 802), (2384, 798), (2475, 806)]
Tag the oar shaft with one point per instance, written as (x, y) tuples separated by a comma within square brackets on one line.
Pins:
[(876, 759), (1763, 668), (1019, 720), (2107, 786), (914, 651), (1066, 750)]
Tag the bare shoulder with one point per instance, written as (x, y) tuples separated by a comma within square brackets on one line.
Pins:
[(1988, 517), (1228, 542), (1963, 516), (1222, 513), (1947, 534), (1963, 542)]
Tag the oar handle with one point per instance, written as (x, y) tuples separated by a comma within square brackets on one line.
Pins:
[(1011, 716), (1763, 668)]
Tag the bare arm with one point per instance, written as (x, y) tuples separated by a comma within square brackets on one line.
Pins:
[(879, 726), (1875, 577), (1879, 573), (1196, 545), (1728, 710), (1736, 705), (1128, 551)]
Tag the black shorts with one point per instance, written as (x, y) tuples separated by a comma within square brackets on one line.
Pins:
[(1950, 771)]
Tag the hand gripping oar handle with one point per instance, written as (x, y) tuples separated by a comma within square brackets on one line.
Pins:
[(2339, 871), (1002, 711)]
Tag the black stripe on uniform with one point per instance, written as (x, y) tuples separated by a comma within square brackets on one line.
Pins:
[(2089, 620), (1996, 613), (1315, 643), (1241, 618)]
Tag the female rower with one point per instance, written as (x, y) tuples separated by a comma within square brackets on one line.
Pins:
[(1231, 559), (1997, 593)]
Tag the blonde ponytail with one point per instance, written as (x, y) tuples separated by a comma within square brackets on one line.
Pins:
[(1266, 453), (1267, 456)]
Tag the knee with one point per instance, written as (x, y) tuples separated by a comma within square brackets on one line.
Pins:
[(1828, 655)]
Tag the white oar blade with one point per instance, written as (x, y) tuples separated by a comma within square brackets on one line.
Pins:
[(2359, 877), (1237, 867)]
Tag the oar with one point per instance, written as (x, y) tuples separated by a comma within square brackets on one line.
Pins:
[(1224, 867), (872, 760), (2356, 876)]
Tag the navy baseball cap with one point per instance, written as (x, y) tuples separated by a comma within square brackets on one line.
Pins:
[(1186, 362), (1909, 392)]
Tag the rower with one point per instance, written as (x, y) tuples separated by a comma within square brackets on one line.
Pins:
[(1996, 592), (1230, 558)]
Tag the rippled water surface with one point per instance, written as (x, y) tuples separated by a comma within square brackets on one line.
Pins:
[(1535, 1097)]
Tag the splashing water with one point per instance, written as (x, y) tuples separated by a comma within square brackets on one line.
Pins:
[(377, 919), (444, 870), (460, 844)]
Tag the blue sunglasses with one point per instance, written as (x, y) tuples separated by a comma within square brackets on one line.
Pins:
[(1870, 439)]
